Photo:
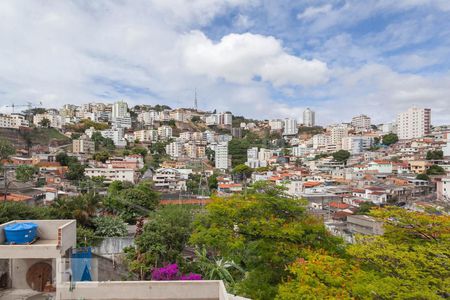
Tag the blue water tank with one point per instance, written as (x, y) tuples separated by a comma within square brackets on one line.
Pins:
[(21, 233)]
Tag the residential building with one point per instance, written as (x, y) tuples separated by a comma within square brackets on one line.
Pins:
[(309, 118), (321, 140), (290, 127), (276, 124), (338, 132), (362, 224), (443, 189), (361, 123), (111, 174), (414, 123), (174, 149), (357, 144), (116, 135), (119, 110), (13, 121), (165, 132), (221, 159), (83, 145), (146, 135)]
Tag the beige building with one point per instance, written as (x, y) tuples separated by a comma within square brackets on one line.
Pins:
[(83, 145)]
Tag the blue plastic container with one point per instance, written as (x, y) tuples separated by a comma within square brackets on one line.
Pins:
[(21, 233)]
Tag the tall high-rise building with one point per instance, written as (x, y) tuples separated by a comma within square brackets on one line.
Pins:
[(290, 127), (361, 123), (221, 159), (120, 110), (338, 132), (309, 118), (413, 123)]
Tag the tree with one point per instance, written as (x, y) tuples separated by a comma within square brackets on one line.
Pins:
[(411, 259), (164, 237), (422, 177), (263, 232), (435, 155), (6, 149), (10, 211), (102, 156), (195, 119), (109, 226), (45, 123), (390, 139), (318, 275), (242, 172), (140, 150), (83, 208), (365, 207), (436, 170), (130, 202), (75, 171), (215, 268), (24, 173), (341, 155), (212, 182)]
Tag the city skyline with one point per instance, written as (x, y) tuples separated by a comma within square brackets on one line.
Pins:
[(257, 59)]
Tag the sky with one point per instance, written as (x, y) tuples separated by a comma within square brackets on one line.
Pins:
[(258, 58)]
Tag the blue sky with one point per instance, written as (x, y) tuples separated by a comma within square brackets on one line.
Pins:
[(258, 58)]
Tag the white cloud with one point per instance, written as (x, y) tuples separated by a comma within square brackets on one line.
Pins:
[(239, 58), (314, 11)]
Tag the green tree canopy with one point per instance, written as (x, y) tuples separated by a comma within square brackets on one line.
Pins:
[(164, 237), (25, 173), (109, 226), (390, 139), (6, 149), (263, 232), (436, 170), (341, 155), (435, 155)]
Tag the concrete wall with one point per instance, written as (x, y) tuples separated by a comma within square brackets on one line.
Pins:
[(148, 290), (114, 245), (20, 268)]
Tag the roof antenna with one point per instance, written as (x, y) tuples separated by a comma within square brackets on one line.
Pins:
[(195, 99)]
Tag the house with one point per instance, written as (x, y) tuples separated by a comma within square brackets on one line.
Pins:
[(362, 224)]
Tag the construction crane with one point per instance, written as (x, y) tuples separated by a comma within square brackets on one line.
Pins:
[(29, 105), (13, 106)]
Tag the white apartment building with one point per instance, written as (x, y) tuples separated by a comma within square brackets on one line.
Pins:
[(276, 125), (321, 140), (414, 123), (290, 127), (221, 159), (388, 128), (299, 150), (119, 110), (146, 135), (83, 145), (111, 174), (56, 121), (338, 132), (148, 117), (122, 122), (361, 123), (116, 135), (174, 150), (165, 132), (224, 118), (357, 144), (443, 189), (309, 118), (13, 121), (446, 148)]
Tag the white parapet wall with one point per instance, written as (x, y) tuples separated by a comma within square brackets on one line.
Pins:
[(140, 290)]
